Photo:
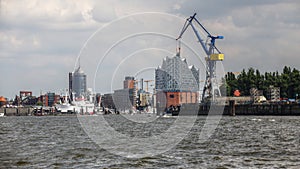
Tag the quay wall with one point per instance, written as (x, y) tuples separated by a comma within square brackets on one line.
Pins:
[(20, 111), (203, 109), (241, 109), (254, 109), (265, 109)]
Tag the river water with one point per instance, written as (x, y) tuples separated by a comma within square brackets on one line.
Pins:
[(237, 142)]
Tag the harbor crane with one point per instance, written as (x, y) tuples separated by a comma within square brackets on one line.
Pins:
[(142, 84), (213, 54), (147, 81)]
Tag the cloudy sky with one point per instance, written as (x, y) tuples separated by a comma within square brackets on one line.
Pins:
[(40, 41)]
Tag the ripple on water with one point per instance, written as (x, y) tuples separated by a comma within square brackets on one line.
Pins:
[(238, 142)]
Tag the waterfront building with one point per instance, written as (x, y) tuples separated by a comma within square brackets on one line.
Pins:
[(176, 82), (143, 100), (49, 99), (273, 94), (25, 94), (257, 95), (70, 83), (107, 101), (29, 101), (77, 83), (26, 98), (128, 82), (125, 99)]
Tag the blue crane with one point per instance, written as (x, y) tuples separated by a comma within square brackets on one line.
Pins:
[(211, 88)]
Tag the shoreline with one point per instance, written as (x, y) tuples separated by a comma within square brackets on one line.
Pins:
[(274, 109)]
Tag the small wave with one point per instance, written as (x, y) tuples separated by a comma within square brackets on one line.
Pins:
[(256, 119)]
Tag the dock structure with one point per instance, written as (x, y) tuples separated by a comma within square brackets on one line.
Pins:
[(17, 111), (28, 111), (176, 84), (231, 109), (272, 109)]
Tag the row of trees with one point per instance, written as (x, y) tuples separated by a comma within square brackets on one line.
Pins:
[(288, 81)]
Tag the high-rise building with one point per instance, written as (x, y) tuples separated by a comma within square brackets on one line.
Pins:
[(70, 82), (176, 82), (129, 82), (77, 83), (176, 75)]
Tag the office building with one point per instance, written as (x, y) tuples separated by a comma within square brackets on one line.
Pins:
[(77, 83)]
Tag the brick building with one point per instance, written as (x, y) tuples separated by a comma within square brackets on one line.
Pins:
[(176, 82)]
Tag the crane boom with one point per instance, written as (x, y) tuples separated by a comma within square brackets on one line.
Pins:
[(210, 88)]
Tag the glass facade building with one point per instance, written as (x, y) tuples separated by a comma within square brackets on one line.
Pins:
[(175, 75), (176, 83), (77, 83)]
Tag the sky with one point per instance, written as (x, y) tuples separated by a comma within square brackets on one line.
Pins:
[(41, 41)]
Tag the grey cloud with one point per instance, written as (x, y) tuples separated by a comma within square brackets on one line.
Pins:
[(213, 9), (262, 34), (104, 12)]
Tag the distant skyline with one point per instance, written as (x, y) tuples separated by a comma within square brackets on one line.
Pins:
[(41, 40)]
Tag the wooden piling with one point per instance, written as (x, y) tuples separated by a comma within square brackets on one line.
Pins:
[(232, 107)]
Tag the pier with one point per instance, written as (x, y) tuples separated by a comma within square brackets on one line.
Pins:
[(231, 109), (274, 109), (17, 111), (28, 111)]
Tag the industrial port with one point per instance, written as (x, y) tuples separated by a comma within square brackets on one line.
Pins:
[(176, 86)]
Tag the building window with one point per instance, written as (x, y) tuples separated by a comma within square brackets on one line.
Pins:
[(171, 95)]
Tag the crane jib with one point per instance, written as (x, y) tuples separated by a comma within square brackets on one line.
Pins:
[(211, 89)]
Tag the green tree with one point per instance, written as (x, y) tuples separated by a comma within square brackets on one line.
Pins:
[(242, 81), (231, 83), (39, 103), (285, 82), (288, 81)]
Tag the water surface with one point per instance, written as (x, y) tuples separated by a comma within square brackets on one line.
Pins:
[(238, 142)]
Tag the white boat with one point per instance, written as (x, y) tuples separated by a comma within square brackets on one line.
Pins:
[(65, 108), (83, 107), (78, 105)]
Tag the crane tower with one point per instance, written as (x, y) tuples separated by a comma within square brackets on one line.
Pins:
[(213, 54)]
